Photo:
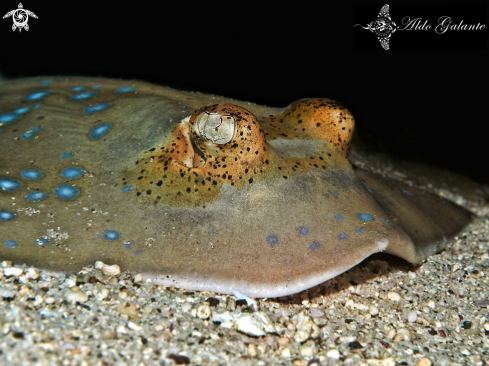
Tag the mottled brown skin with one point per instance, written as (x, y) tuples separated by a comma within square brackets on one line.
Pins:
[(315, 118), (190, 170)]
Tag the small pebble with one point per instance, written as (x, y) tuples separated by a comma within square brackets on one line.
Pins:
[(333, 354), (373, 310), (49, 300), (75, 296), (308, 350), (129, 309), (403, 335), (412, 316), (252, 350), (204, 311), (393, 296), (315, 313), (113, 270), (7, 294), (285, 353), (255, 324), (12, 271), (425, 361)]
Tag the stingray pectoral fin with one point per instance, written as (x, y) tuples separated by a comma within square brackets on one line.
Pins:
[(428, 220)]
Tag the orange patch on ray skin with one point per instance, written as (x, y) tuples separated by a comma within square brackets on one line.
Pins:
[(190, 170), (319, 118)]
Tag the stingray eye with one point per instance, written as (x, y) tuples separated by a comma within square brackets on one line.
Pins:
[(215, 127)]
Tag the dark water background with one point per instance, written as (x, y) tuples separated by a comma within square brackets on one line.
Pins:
[(425, 104)]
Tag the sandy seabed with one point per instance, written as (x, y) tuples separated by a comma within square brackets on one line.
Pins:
[(382, 312)]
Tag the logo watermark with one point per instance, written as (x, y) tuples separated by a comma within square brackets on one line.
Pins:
[(20, 17), (383, 26)]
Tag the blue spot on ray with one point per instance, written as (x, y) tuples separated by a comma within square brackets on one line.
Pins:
[(315, 245), (365, 184), (40, 95), (66, 192), (35, 196), (11, 117), (46, 82), (7, 215), (83, 96), (342, 236), (32, 174), (126, 188), (30, 132), (125, 89), (77, 88), (8, 118), (365, 217), (10, 243), (37, 106), (383, 220), (23, 110), (272, 240), (96, 108), (303, 230), (111, 235), (406, 191), (66, 155), (8, 184), (338, 217), (99, 131), (128, 245), (96, 86), (360, 230), (336, 193), (42, 241), (72, 173)]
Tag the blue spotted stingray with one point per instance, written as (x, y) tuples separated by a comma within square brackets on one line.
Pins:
[(197, 191)]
